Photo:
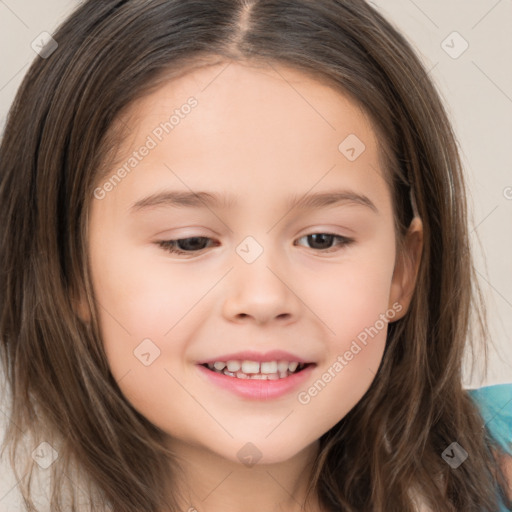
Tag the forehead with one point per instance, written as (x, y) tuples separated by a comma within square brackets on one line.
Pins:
[(250, 127), (253, 98)]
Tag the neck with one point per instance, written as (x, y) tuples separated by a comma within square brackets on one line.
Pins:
[(210, 482)]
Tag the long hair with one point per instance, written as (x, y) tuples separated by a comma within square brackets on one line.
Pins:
[(60, 134)]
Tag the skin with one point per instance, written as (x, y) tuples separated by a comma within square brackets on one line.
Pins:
[(507, 470), (505, 462), (258, 134)]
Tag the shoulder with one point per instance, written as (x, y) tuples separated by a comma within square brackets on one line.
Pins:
[(506, 464), (495, 405)]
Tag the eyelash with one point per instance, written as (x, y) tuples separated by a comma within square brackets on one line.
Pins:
[(169, 245)]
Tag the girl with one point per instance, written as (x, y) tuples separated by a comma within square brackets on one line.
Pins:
[(173, 337)]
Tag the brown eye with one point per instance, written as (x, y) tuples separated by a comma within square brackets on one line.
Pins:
[(325, 240), (322, 242), (184, 245)]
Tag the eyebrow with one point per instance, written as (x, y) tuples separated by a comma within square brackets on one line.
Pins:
[(202, 199)]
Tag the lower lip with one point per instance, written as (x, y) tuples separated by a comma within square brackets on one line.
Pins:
[(258, 389)]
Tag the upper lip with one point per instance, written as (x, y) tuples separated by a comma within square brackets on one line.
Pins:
[(250, 355)]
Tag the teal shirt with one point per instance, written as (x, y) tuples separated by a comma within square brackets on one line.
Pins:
[(495, 404)]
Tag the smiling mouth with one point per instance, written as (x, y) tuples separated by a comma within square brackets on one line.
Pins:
[(252, 370)]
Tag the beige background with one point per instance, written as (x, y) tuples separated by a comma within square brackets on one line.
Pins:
[(476, 85)]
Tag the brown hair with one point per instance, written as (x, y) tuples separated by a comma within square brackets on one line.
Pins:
[(59, 135)]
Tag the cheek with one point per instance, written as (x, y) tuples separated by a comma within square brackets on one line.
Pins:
[(352, 296), (147, 315), (352, 302), (352, 358), (143, 298), (136, 302)]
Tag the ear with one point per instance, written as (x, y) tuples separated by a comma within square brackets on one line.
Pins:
[(406, 268)]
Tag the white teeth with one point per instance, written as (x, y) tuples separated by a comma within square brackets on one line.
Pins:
[(293, 366), (251, 367), (233, 366), (269, 367), (282, 366), (271, 370)]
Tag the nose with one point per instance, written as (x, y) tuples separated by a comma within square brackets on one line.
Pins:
[(259, 292)]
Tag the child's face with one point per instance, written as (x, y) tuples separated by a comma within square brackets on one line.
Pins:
[(260, 283)]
